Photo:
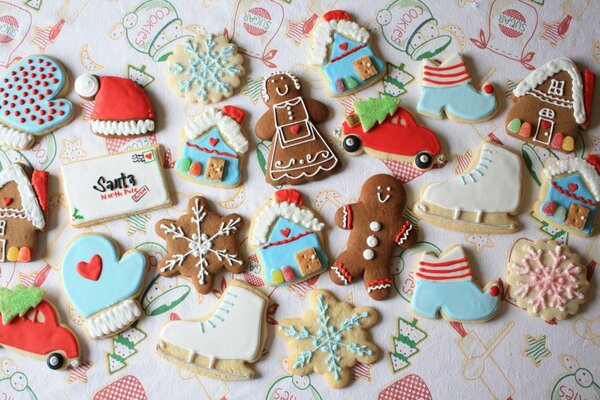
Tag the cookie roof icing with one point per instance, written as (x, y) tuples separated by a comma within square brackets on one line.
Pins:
[(229, 128), (29, 200), (580, 166), (549, 69)]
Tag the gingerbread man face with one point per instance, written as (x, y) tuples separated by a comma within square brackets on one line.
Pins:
[(280, 87), (383, 191)]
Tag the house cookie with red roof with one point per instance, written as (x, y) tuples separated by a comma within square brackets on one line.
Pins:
[(552, 104), (341, 48), (121, 107), (570, 195)]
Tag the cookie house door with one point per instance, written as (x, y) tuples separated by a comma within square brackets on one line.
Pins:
[(545, 126)]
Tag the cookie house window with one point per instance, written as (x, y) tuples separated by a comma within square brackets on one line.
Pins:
[(546, 113), (2, 227), (556, 87)]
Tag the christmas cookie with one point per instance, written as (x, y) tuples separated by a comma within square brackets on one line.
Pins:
[(31, 326), (24, 199), (551, 105), (329, 339), (547, 279), (446, 89), (383, 130), (205, 69), (376, 228), (30, 102), (102, 286), (298, 153), (481, 200), (199, 244), (288, 239), (213, 148), (121, 106), (115, 185), (570, 195), (211, 345), (340, 47), (444, 286)]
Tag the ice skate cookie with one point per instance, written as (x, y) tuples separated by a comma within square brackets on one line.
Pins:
[(115, 185), (213, 148), (288, 239), (313, 347), (121, 106), (446, 89), (298, 153), (205, 69), (340, 47), (24, 198), (31, 326), (30, 102), (551, 105), (376, 228), (482, 200), (199, 244), (101, 286), (570, 195), (547, 280), (383, 130), (212, 345), (444, 287)]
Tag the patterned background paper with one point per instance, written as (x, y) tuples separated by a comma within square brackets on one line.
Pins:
[(513, 356)]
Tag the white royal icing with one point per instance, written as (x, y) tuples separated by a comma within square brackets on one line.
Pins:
[(15, 138), (271, 78), (368, 254), (87, 85), (339, 274), (378, 287), (29, 201), (228, 127), (114, 319), (577, 165), (372, 241), (540, 75), (375, 226), (132, 127), (322, 37)]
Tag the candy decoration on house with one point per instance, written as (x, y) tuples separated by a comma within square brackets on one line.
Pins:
[(341, 48), (31, 326), (30, 102), (570, 195), (288, 238), (221, 344), (298, 152), (121, 106), (444, 286), (213, 148), (446, 89), (22, 212), (102, 286), (552, 104)]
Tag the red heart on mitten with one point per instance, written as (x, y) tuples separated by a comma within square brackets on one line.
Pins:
[(295, 129), (90, 270)]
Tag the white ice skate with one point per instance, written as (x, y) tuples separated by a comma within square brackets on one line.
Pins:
[(482, 199), (220, 344)]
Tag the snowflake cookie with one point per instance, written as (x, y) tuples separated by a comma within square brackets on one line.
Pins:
[(547, 279), (199, 244), (330, 338), (205, 69)]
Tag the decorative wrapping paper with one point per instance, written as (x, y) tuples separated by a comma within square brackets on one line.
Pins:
[(512, 356)]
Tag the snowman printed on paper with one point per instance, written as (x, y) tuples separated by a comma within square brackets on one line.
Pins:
[(14, 384), (579, 384)]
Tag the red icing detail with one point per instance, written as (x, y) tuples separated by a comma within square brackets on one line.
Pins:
[(289, 195), (557, 140), (92, 269), (285, 232), (61, 112), (494, 291), (352, 50), (594, 160), (288, 274), (549, 208), (288, 240), (573, 195), (337, 15), (545, 124), (348, 212), (488, 89), (236, 113), (213, 141), (343, 270), (39, 181), (7, 200), (204, 149), (405, 227), (295, 129), (589, 81), (379, 282), (343, 46), (573, 187), (121, 99)]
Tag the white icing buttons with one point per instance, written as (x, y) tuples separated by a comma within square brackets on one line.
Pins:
[(368, 254), (375, 226), (372, 241)]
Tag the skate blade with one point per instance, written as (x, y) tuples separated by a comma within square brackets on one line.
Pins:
[(468, 225)]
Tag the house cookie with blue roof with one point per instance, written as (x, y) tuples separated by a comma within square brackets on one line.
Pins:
[(570, 195), (341, 48)]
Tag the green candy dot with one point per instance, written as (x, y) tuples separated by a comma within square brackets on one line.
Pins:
[(514, 126), (184, 164)]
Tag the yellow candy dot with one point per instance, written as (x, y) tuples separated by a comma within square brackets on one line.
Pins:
[(276, 276), (13, 254), (568, 143)]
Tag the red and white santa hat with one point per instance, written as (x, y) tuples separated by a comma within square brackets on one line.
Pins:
[(121, 107)]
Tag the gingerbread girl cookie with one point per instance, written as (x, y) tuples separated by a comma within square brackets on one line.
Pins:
[(298, 152), (376, 226)]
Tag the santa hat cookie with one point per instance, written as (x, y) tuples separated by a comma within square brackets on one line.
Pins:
[(121, 106), (341, 48)]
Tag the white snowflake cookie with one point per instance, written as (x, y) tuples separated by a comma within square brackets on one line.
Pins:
[(205, 69), (547, 279)]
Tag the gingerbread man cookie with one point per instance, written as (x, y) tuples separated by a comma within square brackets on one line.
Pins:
[(376, 226), (199, 244), (299, 153)]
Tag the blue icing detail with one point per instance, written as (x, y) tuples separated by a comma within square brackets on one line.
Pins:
[(231, 176), (462, 102), (343, 67), (283, 255), (119, 280), (14, 90)]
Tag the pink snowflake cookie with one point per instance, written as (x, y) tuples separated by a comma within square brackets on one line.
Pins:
[(547, 279)]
